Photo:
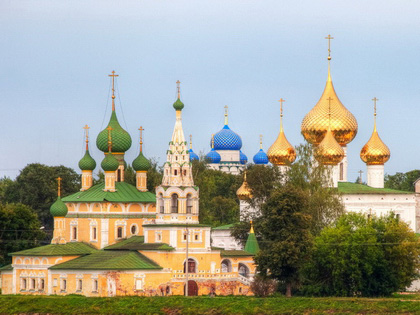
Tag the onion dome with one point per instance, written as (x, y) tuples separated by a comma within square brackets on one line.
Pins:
[(87, 163), (330, 151), (121, 140), (193, 155), (109, 163), (58, 208), (244, 192), (315, 123), (243, 158), (375, 151), (260, 157), (226, 139), (178, 105), (281, 151), (141, 163), (213, 157)]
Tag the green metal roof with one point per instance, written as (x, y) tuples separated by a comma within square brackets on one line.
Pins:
[(251, 245), (176, 225), (6, 268), (353, 188), (68, 249), (235, 253), (124, 193), (109, 260), (137, 243), (224, 227)]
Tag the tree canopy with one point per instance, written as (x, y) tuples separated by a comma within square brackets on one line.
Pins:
[(402, 181)]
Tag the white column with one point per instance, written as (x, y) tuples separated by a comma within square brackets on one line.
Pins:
[(109, 181), (375, 176), (87, 180), (343, 167)]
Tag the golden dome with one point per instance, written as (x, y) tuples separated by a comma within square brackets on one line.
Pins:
[(329, 151), (244, 192), (281, 151), (315, 123), (375, 152)]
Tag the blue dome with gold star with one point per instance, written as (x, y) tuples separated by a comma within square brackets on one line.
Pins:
[(260, 157), (213, 157), (226, 139), (243, 158)]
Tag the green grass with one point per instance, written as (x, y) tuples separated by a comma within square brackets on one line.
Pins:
[(174, 305)]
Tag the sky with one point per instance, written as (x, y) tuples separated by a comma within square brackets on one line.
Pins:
[(55, 58)]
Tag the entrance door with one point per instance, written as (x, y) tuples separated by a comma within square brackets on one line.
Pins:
[(192, 288)]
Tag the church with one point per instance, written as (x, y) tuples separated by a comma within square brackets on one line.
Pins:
[(116, 239)]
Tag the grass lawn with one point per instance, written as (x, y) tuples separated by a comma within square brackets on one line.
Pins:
[(174, 305)]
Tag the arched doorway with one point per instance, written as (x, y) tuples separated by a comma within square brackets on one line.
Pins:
[(192, 288)]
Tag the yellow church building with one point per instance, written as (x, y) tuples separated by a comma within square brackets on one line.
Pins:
[(115, 239)]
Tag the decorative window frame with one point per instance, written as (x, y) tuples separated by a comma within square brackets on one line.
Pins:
[(122, 224), (139, 280), (92, 225), (158, 237), (137, 229), (74, 224), (95, 282)]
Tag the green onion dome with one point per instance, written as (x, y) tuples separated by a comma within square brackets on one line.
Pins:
[(58, 208), (178, 105), (141, 163), (110, 163), (121, 140), (87, 163)]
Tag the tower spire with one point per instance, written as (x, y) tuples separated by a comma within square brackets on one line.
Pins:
[(141, 138), (86, 127), (281, 113), (226, 115), (59, 186), (113, 75), (191, 142), (329, 37), (374, 113)]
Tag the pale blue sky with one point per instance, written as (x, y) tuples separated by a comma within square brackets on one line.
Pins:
[(55, 57)]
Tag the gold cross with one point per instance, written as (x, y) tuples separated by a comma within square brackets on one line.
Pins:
[(141, 138), (113, 75), (374, 105), (178, 87), (360, 176), (86, 127), (59, 186), (281, 106), (329, 37)]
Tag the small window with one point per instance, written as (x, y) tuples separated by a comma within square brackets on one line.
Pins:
[(33, 284), (185, 172), (175, 172), (174, 203), (119, 232), (196, 237), (133, 229), (79, 285), (94, 236), (139, 284), (63, 285), (185, 237), (74, 235), (23, 284), (42, 285), (95, 285)]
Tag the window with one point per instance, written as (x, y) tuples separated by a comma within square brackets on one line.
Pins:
[(243, 270), (174, 203), (161, 205), (139, 284), (134, 229), (74, 234), (196, 237), (33, 284), (119, 232), (119, 175), (94, 233), (158, 237), (175, 172), (79, 285), (41, 285), (191, 266), (398, 216), (185, 172), (226, 265), (95, 285), (63, 284), (189, 203), (23, 284)]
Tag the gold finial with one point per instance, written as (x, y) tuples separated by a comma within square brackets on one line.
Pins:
[(226, 115), (59, 186), (109, 128), (178, 87), (251, 231), (191, 142), (261, 137), (141, 138), (113, 75), (212, 141), (245, 176), (281, 100), (374, 111), (86, 127), (360, 176), (329, 37)]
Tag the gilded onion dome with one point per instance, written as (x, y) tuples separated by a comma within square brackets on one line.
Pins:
[(375, 151), (343, 123), (281, 151), (244, 192), (121, 138)]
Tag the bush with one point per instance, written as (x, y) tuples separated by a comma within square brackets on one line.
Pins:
[(263, 286)]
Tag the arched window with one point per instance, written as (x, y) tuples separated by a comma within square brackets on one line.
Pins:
[(189, 203), (74, 236), (174, 203), (119, 232), (192, 268), (161, 205), (119, 175), (175, 172), (243, 270), (226, 265), (134, 229)]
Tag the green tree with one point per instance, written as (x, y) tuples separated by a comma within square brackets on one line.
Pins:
[(364, 256), (19, 229), (402, 181), (284, 235), (154, 175), (36, 186)]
